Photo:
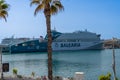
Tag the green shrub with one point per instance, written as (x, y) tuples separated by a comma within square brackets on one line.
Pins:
[(15, 71), (105, 77), (33, 74)]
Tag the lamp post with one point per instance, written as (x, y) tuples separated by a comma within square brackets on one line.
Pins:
[(1, 61)]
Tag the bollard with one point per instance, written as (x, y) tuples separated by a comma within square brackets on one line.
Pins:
[(79, 76)]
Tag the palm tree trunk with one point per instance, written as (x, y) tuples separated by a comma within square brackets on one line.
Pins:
[(48, 23)]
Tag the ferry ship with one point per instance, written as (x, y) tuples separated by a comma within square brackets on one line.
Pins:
[(78, 40)]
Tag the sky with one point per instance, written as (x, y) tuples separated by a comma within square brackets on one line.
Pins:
[(98, 16)]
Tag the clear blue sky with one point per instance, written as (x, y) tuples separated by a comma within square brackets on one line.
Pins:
[(99, 16)]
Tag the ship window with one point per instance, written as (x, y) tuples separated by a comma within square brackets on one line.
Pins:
[(24, 44)]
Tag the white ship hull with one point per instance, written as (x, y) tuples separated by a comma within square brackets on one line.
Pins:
[(66, 46)]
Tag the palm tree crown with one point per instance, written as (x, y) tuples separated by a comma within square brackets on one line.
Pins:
[(55, 6), (3, 9)]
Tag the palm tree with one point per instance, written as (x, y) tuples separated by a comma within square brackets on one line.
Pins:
[(49, 7), (3, 14), (3, 9)]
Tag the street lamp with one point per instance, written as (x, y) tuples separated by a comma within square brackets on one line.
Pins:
[(1, 46)]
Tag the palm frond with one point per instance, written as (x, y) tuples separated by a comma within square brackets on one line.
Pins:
[(59, 5), (3, 14), (39, 8), (34, 2), (3, 9), (53, 10), (56, 6), (5, 6), (1, 2)]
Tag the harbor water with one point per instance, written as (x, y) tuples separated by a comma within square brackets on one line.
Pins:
[(92, 62)]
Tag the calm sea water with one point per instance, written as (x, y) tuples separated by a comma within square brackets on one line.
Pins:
[(92, 62)]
